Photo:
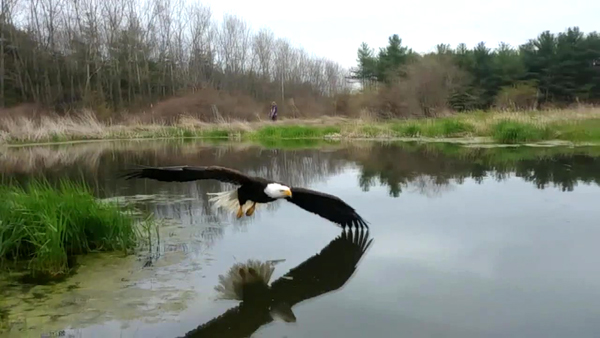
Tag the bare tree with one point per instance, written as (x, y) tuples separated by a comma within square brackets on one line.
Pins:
[(122, 54), (262, 47)]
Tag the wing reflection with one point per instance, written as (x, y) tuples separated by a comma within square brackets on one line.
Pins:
[(324, 272)]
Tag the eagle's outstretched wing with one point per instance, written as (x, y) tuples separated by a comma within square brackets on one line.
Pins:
[(324, 272), (240, 321), (327, 206), (188, 173)]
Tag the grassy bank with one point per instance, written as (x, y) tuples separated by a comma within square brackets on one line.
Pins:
[(578, 125), (46, 226)]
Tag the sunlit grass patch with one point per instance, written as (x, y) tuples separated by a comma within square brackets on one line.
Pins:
[(455, 127), (443, 127), (47, 225), (293, 131), (511, 132), (447, 127), (409, 129)]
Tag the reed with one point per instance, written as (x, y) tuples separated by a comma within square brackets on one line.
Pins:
[(47, 225), (577, 125)]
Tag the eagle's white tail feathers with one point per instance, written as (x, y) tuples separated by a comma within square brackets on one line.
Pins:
[(231, 285), (224, 199), (228, 200)]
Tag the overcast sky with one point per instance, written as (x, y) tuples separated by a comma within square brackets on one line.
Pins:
[(335, 29)]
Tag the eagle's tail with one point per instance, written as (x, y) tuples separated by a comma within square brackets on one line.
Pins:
[(244, 275), (228, 200)]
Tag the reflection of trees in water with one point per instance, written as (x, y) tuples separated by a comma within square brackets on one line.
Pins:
[(396, 167), (427, 169), (561, 172), (428, 186)]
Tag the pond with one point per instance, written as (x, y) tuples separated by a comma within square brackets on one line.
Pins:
[(466, 242)]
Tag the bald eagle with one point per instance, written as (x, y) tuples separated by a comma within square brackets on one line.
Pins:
[(255, 190)]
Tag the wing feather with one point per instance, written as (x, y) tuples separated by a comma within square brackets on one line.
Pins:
[(188, 173), (324, 272), (238, 322), (327, 206)]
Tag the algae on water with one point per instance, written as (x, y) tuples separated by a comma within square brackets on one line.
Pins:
[(107, 286)]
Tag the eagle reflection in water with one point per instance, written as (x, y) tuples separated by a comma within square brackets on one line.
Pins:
[(324, 272)]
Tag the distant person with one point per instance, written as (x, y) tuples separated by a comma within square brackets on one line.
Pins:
[(273, 114)]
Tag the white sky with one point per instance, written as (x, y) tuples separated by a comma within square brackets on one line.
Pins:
[(335, 29)]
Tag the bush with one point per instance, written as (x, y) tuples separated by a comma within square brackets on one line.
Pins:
[(521, 96), (424, 90)]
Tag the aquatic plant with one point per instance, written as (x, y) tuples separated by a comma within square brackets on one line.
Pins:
[(577, 125), (47, 225)]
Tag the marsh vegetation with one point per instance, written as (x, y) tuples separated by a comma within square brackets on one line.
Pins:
[(575, 126), (44, 227)]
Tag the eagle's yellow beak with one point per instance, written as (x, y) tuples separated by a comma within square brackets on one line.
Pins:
[(288, 193)]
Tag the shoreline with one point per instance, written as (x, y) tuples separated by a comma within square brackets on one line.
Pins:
[(567, 128), (472, 142)]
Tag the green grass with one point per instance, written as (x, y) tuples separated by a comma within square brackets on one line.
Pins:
[(578, 131), (514, 132), (407, 129), (501, 127), (45, 226), (292, 132)]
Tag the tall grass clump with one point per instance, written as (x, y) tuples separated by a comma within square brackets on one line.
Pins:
[(443, 127), (47, 225), (411, 130), (452, 127), (513, 132), (446, 127), (294, 131)]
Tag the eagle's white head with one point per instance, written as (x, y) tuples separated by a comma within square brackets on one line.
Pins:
[(276, 190)]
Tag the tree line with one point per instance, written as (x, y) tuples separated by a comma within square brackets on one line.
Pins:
[(173, 56), (552, 69), (120, 54)]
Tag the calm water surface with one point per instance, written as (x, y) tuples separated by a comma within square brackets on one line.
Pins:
[(466, 243)]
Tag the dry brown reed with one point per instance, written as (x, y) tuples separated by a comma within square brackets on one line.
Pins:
[(86, 126)]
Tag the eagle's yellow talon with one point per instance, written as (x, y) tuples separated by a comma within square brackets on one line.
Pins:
[(250, 211), (240, 212)]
